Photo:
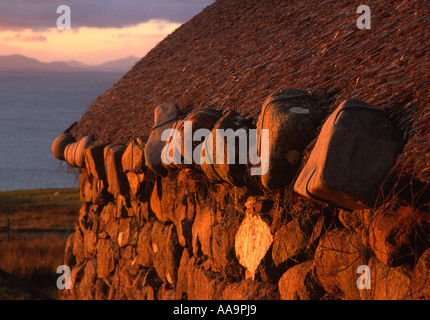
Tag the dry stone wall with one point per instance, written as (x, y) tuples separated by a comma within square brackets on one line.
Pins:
[(192, 239), (185, 236)]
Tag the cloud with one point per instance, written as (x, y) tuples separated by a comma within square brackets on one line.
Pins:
[(31, 38), (87, 44), (42, 14)]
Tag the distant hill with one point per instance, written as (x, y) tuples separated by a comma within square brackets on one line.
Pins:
[(18, 62), (76, 64), (120, 65), (124, 64)]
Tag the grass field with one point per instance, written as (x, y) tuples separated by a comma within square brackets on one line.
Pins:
[(35, 256), (45, 208)]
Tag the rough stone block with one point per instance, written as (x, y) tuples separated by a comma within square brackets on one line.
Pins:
[(394, 234), (133, 159), (166, 252), (90, 243), (289, 242), (203, 284), (85, 288), (108, 221), (387, 283), (140, 187), (127, 232), (337, 257), (160, 201), (107, 257), (78, 246), (420, 279), (115, 176), (249, 289), (300, 283), (85, 187), (94, 158), (101, 290), (182, 283), (174, 200), (202, 232), (223, 248), (69, 257)]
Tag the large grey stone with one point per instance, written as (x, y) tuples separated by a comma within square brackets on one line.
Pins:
[(357, 147), (229, 169), (181, 145), (74, 153), (291, 117), (81, 145), (165, 116), (59, 145)]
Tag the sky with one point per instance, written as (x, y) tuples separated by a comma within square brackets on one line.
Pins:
[(100, 30)]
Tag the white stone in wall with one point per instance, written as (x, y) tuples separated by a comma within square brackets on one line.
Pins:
[(252, 241)]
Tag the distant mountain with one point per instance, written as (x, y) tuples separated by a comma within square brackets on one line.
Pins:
[(18, 62), (118, 65), (76, 64)]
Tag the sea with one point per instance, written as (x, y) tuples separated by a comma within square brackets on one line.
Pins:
[(35, 107)]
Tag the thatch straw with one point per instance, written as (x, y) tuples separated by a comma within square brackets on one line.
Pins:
[(244, 50)]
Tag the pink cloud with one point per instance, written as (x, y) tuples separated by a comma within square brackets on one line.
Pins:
[(32, 38)]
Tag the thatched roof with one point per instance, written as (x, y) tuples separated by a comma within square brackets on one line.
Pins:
[(246, 49)]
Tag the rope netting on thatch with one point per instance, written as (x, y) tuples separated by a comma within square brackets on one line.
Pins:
[(243, 50)]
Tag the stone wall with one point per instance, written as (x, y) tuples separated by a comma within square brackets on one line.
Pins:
[(141, 236)]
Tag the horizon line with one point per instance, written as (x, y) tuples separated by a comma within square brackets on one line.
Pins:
[(86, 64)]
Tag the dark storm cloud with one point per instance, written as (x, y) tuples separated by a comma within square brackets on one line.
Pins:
[(41, 14)]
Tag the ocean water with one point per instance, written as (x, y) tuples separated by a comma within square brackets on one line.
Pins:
[(35, 108)]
